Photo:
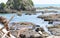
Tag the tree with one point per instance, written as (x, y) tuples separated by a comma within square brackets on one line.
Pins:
[(2, 6)]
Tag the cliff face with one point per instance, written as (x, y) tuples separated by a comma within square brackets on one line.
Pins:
[(20, 4)]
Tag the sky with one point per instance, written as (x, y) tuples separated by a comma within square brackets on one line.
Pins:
[(4, 1), (46, 1), (40, 1)]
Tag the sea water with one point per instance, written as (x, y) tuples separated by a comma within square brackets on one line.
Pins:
[(46, 5)]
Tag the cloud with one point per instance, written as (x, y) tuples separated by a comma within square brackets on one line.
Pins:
[(46, 1)]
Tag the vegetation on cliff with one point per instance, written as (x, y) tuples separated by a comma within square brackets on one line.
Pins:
[(20, 4), (16, 6)]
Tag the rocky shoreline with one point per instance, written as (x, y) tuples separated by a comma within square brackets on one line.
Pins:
[(31, 30), (55, 31)]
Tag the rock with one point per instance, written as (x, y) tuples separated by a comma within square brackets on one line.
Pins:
[(50, 22), (22, 36), (55, 30), (42, 16), (28, 33), (31, 36), (19, 13), (19, 25), (28, 14), (37, 35), (51, 17), (53, 36), (37, 25), (39, 29)]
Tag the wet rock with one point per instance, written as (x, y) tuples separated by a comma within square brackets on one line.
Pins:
[(37, 25), (42, 16), (51, 17), (50, 22), (39, 29), (28, 14)]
